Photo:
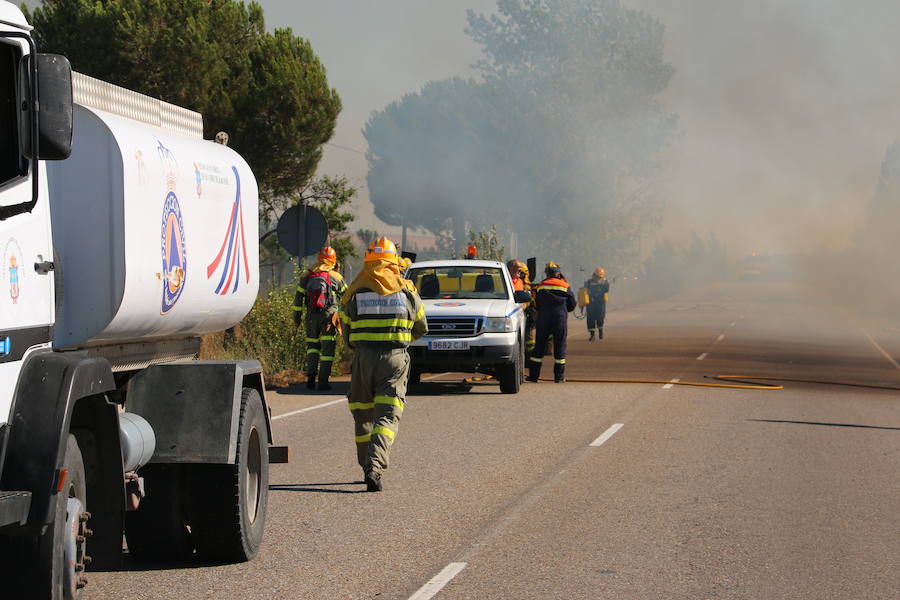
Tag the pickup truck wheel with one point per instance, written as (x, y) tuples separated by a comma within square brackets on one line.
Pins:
[(157, 530), (415, 377), (510, 374), (229, 501)]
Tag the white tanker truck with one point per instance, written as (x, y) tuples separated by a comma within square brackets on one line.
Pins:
[(122, 243)]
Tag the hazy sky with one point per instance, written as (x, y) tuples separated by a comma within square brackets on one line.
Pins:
[(786, 106), (374, 52)]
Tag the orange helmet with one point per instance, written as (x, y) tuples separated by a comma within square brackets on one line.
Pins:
[(471, 251), (381, 249), (327, 254), (599, 272)]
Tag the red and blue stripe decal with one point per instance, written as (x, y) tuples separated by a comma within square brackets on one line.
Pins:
[(233, 250)]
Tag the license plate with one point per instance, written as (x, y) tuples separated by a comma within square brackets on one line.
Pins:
[(448, 345)]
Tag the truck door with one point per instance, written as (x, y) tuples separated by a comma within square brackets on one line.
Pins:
[(26, 283)]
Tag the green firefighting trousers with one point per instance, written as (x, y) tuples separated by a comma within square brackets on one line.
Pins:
[(377, 392), (321, 336)]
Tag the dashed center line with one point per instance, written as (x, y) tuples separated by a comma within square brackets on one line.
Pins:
[(720, 338), (438, 582), (702, 356), (671, 384), (607, 434)]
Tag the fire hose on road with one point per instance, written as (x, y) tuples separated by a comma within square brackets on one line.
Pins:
[(745, 382)]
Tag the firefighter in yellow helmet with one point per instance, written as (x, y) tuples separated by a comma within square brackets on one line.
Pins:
[(593, 298), (382, 314), (319, 291)]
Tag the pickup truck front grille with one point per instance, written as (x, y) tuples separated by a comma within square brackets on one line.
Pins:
[(455, 326)]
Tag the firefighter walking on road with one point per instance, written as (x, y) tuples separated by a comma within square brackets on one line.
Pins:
[(382, 314), (319, 291), (555, 300), (593, 298)]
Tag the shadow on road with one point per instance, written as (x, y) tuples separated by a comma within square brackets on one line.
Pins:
[(337, 388), (451, 388), (825, 424), (317, 487), (130, 564)]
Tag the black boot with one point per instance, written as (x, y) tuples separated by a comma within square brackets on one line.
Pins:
[(323, 386), (591, 336), (373, 482), (310, 382), (600, 333)]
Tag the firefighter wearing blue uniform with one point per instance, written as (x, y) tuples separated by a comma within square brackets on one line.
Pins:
[(555, 300)]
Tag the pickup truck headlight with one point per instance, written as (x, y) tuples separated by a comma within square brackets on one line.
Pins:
[(499, 325)]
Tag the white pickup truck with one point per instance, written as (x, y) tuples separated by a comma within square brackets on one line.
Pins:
[(476, 321)]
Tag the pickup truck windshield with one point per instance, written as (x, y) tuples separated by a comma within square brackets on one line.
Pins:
[(460, 282)]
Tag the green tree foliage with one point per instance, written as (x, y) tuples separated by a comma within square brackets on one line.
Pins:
[(559, 142), (269, 91), (488, 244)]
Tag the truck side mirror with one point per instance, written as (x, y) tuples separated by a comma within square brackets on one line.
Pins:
[(54, 102), (521, 296)]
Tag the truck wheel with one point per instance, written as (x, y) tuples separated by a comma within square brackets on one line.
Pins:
[(61, 547), (157, 530), (229, 501), (415, 377), (510, 374)]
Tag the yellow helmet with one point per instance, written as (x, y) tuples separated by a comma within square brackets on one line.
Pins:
[(405, 261), (381, 249)]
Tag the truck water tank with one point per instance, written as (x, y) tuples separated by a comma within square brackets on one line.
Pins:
[(155, 234)]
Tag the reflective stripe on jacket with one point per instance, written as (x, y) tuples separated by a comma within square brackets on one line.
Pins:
[(394, 320)]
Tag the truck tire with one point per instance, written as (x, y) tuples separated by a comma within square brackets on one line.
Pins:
[(65, 538), (415, 376), (510, 374), (157, 531), (229, 501)]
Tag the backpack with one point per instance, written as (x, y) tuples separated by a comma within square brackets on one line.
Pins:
[(318, 290)]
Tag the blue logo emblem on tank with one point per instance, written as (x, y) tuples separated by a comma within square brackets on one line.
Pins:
[(174, 259)]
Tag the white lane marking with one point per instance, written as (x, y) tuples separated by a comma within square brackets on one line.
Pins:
[(882, 350), (720, 338), (702, 356), (308, 408), (671, 383), (438, 581), (607, 434), (435, 376)]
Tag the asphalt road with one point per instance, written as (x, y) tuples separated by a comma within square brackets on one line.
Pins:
[(601, 490)]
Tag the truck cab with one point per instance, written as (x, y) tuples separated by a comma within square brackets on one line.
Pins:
[(476, 321)]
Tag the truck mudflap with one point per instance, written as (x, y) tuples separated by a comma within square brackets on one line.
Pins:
[(194, 407), (14, 508)]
